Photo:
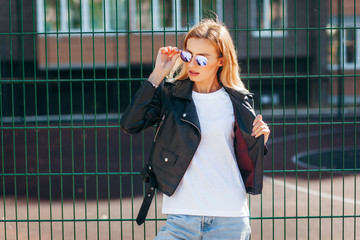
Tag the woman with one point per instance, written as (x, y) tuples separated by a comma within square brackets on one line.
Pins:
[(208, 147)]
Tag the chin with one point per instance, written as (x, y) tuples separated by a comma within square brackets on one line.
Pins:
[(194, 79), (191, 78)]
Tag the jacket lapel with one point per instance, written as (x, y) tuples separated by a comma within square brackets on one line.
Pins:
[(242, 109), (183, 90), (190, 115)]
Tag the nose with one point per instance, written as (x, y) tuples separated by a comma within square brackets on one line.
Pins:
[(192, 62)]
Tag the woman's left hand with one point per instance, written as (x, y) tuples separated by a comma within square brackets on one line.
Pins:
[(260, 128)]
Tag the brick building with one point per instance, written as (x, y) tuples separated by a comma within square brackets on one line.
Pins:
[(286, 48)]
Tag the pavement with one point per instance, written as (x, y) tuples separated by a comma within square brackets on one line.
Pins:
[(296, 203), (286, 210)]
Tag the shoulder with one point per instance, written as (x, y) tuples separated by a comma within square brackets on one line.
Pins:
[(177, 88), (240, 95), (167, 87), (244, 97)]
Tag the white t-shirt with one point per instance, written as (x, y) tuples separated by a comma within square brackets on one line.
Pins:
[(212, 184)]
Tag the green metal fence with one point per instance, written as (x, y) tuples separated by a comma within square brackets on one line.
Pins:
[(68, 68)]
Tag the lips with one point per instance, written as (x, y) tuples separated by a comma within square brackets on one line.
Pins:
[(193, 73)]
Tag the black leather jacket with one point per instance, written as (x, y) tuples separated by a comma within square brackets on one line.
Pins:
[(178, 133)]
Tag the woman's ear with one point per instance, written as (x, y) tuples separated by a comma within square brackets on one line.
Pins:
[(221, 62)]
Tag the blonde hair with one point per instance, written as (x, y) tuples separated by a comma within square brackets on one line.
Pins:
[(218, 34)]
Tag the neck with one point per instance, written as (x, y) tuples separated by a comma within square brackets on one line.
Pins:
[(204, 87)]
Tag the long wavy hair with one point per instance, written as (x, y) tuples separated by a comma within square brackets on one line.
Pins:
[(218, 34)]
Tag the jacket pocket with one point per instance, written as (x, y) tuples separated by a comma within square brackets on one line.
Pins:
[(167, 157)]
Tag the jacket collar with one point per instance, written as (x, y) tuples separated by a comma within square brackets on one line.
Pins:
[(183, 89)]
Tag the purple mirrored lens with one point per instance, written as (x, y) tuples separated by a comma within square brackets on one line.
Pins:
[(201, 61), (185, 56)]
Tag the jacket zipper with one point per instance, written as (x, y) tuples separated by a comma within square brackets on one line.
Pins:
[(160, 124), (191, 124)]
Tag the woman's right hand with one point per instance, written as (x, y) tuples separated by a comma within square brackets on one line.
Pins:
[(165, 61)]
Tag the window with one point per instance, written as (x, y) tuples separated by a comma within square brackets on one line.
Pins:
[(268, 14), (85, 15), (342, 48), (349, 47), (118, 15), (74, 12), (171, 14), (52, 15)]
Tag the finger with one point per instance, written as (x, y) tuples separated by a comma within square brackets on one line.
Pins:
[(256, 132), (260, 129), (173, 52), (264, 132), (175, 57), (258, 135), (170, 49), (258, 122), (163, 50), (257, 119), (266, 136), (258, 125)]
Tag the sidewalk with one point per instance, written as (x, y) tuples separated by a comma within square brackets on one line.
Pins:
[(305, 205)]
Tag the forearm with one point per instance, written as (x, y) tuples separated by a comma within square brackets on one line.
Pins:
[(143, 110), (156, 77)]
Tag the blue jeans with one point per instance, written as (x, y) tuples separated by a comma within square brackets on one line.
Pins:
[(206, 228)]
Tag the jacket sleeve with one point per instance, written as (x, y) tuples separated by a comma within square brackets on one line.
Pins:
[(144, 109)]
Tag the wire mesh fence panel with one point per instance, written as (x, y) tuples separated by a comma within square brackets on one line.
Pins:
[(69, 68)]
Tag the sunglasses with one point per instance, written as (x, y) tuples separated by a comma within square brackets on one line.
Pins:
[(200, 60)]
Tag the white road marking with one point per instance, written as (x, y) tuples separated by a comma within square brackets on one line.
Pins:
[(312, 192)]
